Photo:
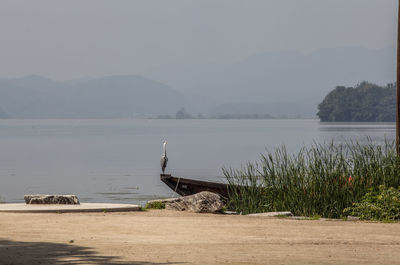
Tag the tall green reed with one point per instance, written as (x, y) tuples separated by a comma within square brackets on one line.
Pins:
[(322, 179)]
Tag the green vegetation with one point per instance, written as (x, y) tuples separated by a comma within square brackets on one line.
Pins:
[(314, 217), (155, 205), (379, 205), (321, 180), (364, 103)]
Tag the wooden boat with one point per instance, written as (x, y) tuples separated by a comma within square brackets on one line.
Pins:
[(184, 186)]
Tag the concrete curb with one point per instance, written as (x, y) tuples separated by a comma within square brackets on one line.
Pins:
[(66, 208)]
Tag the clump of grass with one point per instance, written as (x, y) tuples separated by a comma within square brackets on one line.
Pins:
[(155, 205), (323, 179), (223, 209), (314, 217)]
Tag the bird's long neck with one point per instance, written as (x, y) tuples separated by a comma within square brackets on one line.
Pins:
[(164, 149)]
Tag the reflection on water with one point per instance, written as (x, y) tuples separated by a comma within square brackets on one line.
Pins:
[(118, 160), (346, 126), (341, 132)]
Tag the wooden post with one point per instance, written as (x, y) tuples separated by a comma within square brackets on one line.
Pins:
[(398, 85)]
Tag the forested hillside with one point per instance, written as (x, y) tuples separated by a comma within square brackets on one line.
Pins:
[(365, 102)]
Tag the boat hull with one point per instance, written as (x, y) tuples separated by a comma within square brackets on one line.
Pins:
[(184, 186)]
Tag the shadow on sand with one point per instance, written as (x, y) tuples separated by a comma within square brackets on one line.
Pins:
[(43, 253)]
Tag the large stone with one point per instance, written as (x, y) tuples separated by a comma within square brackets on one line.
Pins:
[(202, 202), (50, 199)]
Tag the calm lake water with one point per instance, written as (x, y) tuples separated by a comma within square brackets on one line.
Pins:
[(119, 160)]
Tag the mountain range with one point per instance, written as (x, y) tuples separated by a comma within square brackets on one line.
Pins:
[(107, 97), (276, 83)]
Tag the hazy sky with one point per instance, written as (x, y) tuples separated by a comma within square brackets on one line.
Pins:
[(77, 38)]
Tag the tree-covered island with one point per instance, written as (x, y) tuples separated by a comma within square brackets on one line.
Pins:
[(365, 102)]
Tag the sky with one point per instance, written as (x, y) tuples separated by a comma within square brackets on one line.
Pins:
[(72, 39)]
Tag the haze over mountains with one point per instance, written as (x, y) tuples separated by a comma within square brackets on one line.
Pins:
[(281, 83), (107, 97), (278, 83)]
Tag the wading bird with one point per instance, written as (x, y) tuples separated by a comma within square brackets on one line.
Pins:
[(164, 158)]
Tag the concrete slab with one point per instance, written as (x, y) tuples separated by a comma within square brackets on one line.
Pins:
[(66, 208), (271, 214)]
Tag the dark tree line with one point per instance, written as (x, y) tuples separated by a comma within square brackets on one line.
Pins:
[(365, 102)]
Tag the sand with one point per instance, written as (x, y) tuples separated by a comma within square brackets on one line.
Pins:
[(167, 237)]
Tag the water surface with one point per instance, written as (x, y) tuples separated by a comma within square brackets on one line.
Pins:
[(119, 160)]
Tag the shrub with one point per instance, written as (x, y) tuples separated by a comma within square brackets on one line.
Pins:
[(379, 205)]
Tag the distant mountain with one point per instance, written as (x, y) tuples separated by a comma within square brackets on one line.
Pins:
[(365, 102), (107, 97), (294, 82)]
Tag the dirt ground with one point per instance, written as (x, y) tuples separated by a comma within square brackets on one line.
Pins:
[(166, 237)]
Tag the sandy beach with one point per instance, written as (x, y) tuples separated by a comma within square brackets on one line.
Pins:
[(167, 237)]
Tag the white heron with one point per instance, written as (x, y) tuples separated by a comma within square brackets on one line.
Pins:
[(164, 158)]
